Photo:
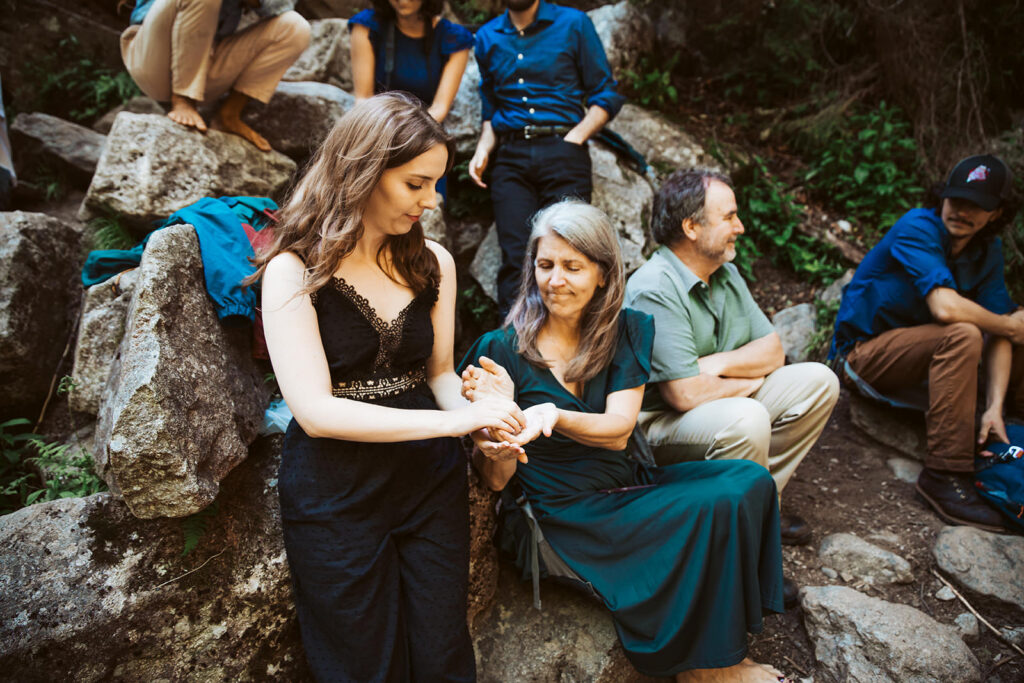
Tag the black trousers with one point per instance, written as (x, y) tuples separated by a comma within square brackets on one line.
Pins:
[(527, 176)]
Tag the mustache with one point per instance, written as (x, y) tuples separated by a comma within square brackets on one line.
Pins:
[(960, 219)]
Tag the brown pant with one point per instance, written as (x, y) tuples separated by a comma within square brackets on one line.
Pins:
[(947, 357), (173, 52)]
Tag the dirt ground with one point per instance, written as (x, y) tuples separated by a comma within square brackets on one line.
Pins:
[(844, 485)]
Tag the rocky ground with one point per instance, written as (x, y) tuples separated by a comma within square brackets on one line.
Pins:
[(169, 403)]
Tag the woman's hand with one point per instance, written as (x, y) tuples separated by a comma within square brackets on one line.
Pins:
[(489, 380), (540, 419), (498, 451), (497, 414)]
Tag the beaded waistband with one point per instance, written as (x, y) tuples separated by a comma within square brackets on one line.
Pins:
[(380, 387)]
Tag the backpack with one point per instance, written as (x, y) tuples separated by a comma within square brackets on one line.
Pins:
[(999, 474)]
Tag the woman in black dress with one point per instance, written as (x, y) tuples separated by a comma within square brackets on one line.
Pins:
[(359, 315)]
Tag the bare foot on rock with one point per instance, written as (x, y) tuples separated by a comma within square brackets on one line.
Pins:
[(229, 119), (183, 111), (238, 127), (747, 671)]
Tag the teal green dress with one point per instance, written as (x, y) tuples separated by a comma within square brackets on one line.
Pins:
[(687, 557)]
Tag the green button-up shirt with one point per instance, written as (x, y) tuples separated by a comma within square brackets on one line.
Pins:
[(692, 318)]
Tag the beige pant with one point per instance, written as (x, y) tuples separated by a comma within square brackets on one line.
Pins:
[(775, 427), (173, 52)]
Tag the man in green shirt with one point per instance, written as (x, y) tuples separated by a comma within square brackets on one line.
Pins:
[(718, 386)]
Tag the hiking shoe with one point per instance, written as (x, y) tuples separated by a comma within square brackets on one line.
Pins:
[(953, 496), (795, 530)]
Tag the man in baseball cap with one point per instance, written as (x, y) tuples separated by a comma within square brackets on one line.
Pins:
[(928, 306)]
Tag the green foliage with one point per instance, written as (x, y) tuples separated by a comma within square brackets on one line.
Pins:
[(194, 527), (109, 232), (49, 181), (825, 318), (465, 198), (469, 12), (34, 471), (772, 217), (67, 385), (867, 170), (483, 312), (652, 85), (73, 84)]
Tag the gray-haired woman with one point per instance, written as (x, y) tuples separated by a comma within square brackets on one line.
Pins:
[(686, 557)]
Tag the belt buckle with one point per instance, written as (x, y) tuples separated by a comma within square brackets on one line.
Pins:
[(526, 132)]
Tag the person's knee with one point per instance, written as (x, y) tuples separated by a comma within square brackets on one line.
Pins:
[(965, 336), (294, 31), (750, 429), (819, 379)]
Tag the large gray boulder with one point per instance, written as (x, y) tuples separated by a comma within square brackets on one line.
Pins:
[(571, 639), (626, 197), (463, 121), (796, 327), (486, 262), (153, 166), (986, 563), (299, 116), (850, 554), (902, 430), (185, 398), (626, 33), (38, 269), (67, 148), (100, 331), (860, 639), (665, 145), (88, 592), (136, 105), (327, 58)]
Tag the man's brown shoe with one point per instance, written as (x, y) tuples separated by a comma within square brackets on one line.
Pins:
[(953, 496)]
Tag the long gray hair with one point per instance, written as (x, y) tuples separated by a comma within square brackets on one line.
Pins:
[(588, 230)]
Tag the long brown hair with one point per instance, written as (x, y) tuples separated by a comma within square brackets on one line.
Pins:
[(588, 230), (322, 220)]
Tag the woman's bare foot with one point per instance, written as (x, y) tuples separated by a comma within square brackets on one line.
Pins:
[(747, 671), (183, 111), (229, 119)]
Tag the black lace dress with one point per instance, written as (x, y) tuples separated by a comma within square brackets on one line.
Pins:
[(377, 534)]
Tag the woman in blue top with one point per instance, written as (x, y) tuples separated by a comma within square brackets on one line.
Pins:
[(687, 557), (429, 52)]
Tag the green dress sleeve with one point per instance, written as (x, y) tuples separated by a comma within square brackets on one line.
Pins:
[(631, 365), (498, 345)]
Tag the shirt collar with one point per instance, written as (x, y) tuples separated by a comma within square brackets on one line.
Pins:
[(545, 15), (682, 270)]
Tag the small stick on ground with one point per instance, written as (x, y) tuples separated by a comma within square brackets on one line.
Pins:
[(799, 669), (999, 634)]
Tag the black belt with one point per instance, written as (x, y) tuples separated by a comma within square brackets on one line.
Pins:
[(531, 133)]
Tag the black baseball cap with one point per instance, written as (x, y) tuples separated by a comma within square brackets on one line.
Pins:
[(983, 179)]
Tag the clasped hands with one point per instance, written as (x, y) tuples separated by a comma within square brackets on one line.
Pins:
[(491, 380)]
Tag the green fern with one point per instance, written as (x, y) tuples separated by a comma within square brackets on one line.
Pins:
[(108, 232), (194, 527)]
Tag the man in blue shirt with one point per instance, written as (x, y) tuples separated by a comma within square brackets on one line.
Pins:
[(929, 305), (539, 65)]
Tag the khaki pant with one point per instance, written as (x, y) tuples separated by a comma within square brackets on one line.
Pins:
[(775, 427), (947, 357), (173, 52)]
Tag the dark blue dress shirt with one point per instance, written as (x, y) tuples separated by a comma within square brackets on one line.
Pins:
[(889, 288), (545, 75), (414, 71)]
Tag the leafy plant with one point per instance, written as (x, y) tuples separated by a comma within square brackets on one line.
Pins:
[(772, 218), (868, 169), (73, 84), (34, 471), (482, 311), (653, 84), (825, 319), (464, 197), (67, 385), (109, 232), (195, 526)]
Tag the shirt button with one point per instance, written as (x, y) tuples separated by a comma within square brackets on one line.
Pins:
[(531, 110), (521, 81), (524, 98), (519, 56), (522, 33)]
